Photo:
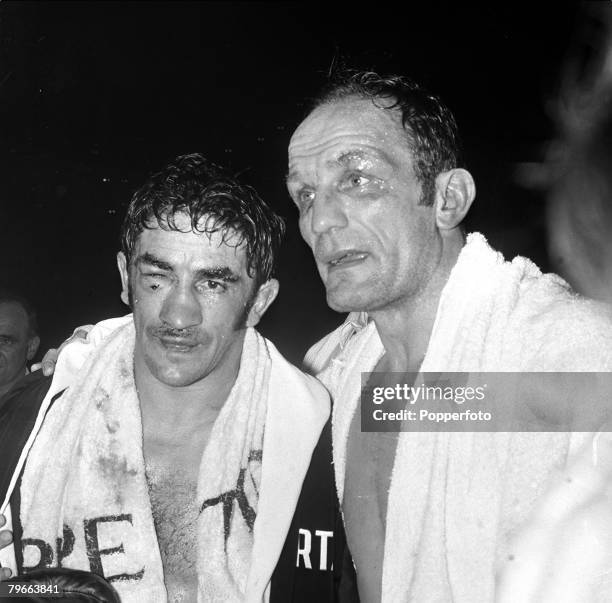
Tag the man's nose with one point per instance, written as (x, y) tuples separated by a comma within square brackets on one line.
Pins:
[(181, 308), (328, 213)]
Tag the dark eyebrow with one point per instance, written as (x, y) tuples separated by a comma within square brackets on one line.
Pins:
[(149, 258), (222, 273)]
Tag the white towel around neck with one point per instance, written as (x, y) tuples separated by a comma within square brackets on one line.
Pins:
[(455, 498), (84, 491)]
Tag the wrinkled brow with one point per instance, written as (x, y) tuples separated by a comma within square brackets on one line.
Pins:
[(221, 273), (349, 156), (343, 161), (149, 258)]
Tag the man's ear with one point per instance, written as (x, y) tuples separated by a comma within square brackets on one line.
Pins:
[(264, 297), (32, 348), (455, 191), (123, 272)]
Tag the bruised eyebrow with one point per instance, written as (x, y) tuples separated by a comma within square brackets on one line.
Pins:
[(349, 156), (221, 273), (149, 258), (343, 160), (346, 158)]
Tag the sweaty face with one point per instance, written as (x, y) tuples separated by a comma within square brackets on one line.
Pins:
[(351, 176), (189, 294), (14, 340)]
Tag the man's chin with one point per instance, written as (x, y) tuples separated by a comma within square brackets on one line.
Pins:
[(345, 301), (349, 290), (174, 374), (338, 305), (177, 379)]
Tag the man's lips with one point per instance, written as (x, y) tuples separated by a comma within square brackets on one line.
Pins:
[(343, 258), (177, 344)]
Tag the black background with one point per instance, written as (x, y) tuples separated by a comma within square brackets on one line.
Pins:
[(95, 96)]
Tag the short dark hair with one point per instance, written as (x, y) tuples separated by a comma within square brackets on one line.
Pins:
[(429, 124), (9, 296), (194, 186)]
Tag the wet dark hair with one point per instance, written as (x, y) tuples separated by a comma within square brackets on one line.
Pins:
[(429, 124), (194, 186), (8, 296)]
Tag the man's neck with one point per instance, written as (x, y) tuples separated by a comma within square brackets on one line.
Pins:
[(405, 328)]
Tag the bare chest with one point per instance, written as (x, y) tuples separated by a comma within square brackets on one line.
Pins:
[(369, 463), (175, 513), (172, 474)]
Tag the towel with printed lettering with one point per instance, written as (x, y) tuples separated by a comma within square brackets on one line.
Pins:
[(84, 493)]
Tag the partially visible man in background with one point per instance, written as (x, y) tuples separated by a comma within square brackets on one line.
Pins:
[(18, 339), (576, 174), (560, 552)]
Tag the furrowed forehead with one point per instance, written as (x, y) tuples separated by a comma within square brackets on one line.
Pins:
[(345, 134), (345, 156), (356, 121), (174, 250)]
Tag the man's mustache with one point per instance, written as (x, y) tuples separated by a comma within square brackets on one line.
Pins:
[(188, 336)]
